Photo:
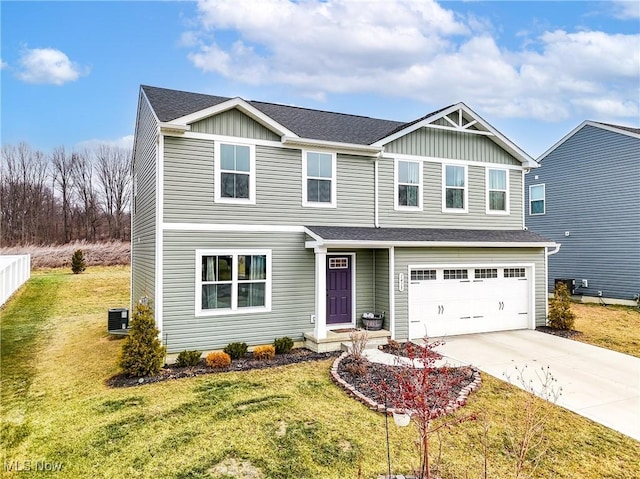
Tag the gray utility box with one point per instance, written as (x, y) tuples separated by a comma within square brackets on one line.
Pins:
[(569, 283), (118, 319)]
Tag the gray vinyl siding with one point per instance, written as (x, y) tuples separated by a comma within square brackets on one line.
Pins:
[(293, 291), (516, 256), (382, 283), (234, 123), (454, 145), (189, 188), (143, 234), (432, 216), (592, 189), (365, 299)]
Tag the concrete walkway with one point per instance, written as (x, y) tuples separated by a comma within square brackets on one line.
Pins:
[(597, 383)]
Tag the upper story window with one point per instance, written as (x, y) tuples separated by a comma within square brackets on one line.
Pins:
[(408, 185), (537, 200), (232, 281), (319, 179), (497, 191), (454, 196), (235, 173)]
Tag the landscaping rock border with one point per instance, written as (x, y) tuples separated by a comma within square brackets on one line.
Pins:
[(451, 407)]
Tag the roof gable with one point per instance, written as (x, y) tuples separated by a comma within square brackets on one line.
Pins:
[(623, 130), (179, 109)]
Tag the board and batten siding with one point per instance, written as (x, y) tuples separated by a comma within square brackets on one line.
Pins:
[(454, 145), (234, 123), (143, 204), (432, 216), (189, 188), (292, 291), (451, 256), (592, 189)]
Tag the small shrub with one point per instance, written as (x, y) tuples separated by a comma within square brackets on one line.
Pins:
[(394, 346), (560, 314), (264, 353), (78, 264), (142, 352), (359, 340), (236, 350), (218, 360), (357, 367), (283, 345), (188, 358)]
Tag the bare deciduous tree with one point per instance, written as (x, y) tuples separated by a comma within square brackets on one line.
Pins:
[(63, 169), (113, 170)]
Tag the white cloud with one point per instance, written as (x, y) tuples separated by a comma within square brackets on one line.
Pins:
[(419, 50), (626, 9), (3, 64), (122, 142), (48, 66)]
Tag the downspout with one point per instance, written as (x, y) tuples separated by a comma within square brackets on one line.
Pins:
[(548, 253)]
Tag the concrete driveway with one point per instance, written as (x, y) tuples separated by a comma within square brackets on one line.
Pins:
[(597, 383)]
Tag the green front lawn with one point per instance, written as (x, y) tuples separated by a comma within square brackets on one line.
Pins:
[(288, 422)]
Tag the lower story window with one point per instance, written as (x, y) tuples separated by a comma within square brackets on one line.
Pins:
[(232, 281)]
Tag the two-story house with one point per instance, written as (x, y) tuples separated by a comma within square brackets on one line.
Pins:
[(255, 220), (594, 210)]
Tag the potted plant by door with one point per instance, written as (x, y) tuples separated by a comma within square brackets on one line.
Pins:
[(372, 321)]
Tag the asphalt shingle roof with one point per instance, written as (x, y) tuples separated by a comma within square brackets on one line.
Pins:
[(368, 234), (620, 127), (304, 122)]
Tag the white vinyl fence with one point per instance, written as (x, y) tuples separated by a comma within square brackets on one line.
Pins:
[(15, 270)]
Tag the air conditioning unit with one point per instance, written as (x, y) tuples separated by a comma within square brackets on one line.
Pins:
[(569, 283), (118, 320)]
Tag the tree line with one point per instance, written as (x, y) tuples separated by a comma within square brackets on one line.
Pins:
[(65, 195)]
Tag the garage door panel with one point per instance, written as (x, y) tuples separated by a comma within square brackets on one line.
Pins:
[(487, 299)]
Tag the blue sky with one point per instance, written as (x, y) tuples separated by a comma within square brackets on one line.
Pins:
[(71, 71)]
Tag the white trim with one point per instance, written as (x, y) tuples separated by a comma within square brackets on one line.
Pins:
[(376, 193), (174, 128), (241, 105), (507, 196), (523, 208), (334, 146), (580, 127), (262, 228), (354, 303), (320, 328), (465, 190), (159, 290), (425, 244), (217, 179), (392, 293), (235, 309), (334, 180), (227, 139), (451, 161), (396, 185), (544, 199)]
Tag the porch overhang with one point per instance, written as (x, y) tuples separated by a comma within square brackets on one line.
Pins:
[(322, 237)]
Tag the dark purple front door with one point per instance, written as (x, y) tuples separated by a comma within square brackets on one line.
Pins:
[(338, 289)]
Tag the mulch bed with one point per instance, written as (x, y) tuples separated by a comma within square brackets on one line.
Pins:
[(371, 375), (298, 355), (563, 333)]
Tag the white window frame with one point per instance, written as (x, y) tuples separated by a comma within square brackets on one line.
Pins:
[(489, 190), (334, 181), (544, 200), (218, 198), (234, 253), (396, 184), (465, 189)]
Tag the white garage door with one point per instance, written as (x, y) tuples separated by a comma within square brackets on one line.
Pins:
[(454, 300)]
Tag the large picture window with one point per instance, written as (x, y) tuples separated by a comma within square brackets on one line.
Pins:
[(537, 200), (234, 173), (497, 191), (455, 188), (408, 184), (319, 179), (232, 281)]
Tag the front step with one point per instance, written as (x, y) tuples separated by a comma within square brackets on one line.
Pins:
[(336, 341)]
